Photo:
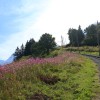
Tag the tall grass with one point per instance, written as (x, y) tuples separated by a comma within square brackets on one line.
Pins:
[(91, 50), (65, 77)]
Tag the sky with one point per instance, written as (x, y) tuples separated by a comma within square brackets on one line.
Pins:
[(21, 20)]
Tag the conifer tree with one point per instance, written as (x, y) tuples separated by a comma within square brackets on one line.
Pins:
[(28, 47)]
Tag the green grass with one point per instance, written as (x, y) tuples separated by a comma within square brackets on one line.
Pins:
[(90, 50), (90, 53), (78, 80)]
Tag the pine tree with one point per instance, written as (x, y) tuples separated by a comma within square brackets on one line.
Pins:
[(28, 47), (80, 35), (76, 37), (17, 53), (22, 50)]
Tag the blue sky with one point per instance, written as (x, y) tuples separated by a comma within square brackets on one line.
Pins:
[(22, 19), (15, 17), (14, 14)]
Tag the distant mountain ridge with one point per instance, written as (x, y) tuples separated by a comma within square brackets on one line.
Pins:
[(8, 61), (2, 62)]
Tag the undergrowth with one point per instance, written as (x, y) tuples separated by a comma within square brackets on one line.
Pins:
[(90, 50), (74, 79)]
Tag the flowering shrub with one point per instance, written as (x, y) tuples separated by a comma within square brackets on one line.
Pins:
[(66, 76), (11, 68)]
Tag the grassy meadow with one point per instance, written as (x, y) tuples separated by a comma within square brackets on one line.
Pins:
[(91, 50), (67, 76)]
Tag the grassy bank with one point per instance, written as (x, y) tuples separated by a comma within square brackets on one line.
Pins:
[(91, 50), (66, 77)]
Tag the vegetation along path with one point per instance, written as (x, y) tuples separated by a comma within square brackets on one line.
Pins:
[(97, 61)]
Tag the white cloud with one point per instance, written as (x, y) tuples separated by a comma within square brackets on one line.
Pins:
[(56, 18)]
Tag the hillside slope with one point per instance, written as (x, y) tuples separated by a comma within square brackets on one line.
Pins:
[(67, 76)]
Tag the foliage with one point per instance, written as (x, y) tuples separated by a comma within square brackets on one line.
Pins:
[(90, 50), (19, 52), (80, 35), (76, 36), (56, 52), (28, 47), (90, 36), (67, 76), (36, 49), (47, 43), (72, 37)]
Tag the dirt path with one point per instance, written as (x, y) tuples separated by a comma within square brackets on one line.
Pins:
[(96, 60)]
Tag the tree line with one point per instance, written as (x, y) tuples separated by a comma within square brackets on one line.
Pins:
[(41, 48), (90, 36)]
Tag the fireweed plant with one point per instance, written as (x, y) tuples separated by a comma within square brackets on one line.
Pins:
[(67, 76)]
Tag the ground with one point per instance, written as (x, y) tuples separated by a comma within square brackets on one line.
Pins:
[(97, 61)]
